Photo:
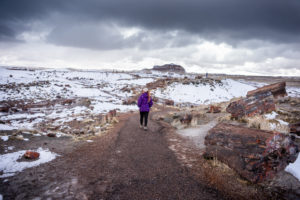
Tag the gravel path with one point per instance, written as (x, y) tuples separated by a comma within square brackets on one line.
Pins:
[(129, 163)]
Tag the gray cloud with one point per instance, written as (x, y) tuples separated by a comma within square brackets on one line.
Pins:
[(230, 21)]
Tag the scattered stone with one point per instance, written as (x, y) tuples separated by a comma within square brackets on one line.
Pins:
[(84, 102), (131, 101), (214, 109), (169, 102), (67, 102), (4, 108), (255, 154), (31, 155), (51, 135)]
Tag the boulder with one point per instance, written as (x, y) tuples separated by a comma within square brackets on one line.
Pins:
[(276, 89), (251, 106), (31, 155), (255, 154)]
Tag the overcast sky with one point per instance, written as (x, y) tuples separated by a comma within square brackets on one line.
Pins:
[(257, 37)]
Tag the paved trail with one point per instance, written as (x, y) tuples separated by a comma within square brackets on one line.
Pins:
[(133, 164)]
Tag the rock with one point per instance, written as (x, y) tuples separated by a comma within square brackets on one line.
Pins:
[(251, 106), (51, 135), (67, 102), (4, 108), (276, 89), (214, 109), (130, 101), (186, 119), (169, 102), (84, 102), (169, 68), (126, 89), (295, 128), (255, 154), (31, 155), (112, 113)]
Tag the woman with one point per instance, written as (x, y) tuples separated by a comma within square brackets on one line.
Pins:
[(144, 103)]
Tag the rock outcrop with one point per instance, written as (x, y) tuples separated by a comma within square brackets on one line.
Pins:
[(169, 68), (255, 154)]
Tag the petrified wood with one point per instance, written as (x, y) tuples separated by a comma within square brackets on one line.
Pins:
[(255, 154)]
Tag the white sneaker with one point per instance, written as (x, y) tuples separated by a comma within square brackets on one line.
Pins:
[(145, 128), (141, 126)]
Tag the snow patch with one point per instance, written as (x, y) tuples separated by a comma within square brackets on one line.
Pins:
[(294, 168), (271, 115), (5, 138), (204, 94), (90, 141), (7, 127), (9, 165)]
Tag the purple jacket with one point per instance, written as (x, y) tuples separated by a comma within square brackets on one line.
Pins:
[(143, 103)]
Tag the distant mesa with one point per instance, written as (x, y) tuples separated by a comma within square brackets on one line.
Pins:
[(169, 68)]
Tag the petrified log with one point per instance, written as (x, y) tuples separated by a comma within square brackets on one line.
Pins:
[(255, 154), (277, 89), (295, 128), (251, 106)]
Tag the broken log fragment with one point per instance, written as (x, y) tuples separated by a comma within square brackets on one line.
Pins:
[(31, 155), (255, 154), (258, 101), (251, 106), (276, 89)]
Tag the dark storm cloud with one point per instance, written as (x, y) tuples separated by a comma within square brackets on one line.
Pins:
[(228, 21)]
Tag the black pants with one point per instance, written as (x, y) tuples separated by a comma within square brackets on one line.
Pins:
[(144, 115)]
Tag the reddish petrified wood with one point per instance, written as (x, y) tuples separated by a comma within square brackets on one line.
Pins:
[(51, 135), (31, 155), (277, 89), (295, 128), (255, 154), (214, 109), (251, 106)]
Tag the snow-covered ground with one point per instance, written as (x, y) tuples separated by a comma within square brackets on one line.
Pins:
[(204, 94), (294, 168), (9, 164), (105, 89)]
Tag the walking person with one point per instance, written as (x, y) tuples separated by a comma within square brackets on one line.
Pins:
[(144, 103)]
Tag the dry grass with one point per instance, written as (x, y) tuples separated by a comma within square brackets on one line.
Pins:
[(260, 122)]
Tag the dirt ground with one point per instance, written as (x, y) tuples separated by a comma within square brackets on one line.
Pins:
[(127, 163)]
